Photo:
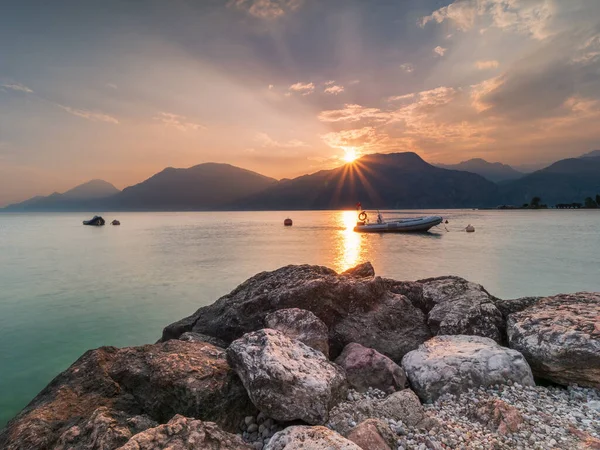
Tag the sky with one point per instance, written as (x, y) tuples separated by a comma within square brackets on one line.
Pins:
[(121, 89)]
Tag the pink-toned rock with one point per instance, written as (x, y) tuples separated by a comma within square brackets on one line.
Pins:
[(499, 416), (366, 367), (301, 325), (309, 438), (373, 434)]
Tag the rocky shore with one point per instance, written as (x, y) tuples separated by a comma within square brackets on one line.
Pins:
[(306, 358)]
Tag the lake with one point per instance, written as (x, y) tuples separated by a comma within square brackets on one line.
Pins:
[(66, 288)]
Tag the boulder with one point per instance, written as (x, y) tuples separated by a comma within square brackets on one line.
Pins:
[(400, 406), (182, 433), (309, 438), (461, 307), (455, 364), (110, 394), (366, 367), (510, 306), (373, 434), (560, 338), (301, 325), (286, 379), (198, 337), (354, 309), (363, 270)]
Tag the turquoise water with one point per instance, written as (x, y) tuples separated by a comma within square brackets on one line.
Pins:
[(66, 288)]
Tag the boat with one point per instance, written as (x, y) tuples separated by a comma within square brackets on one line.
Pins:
[(115, 222), (414, 224), (96, 221)]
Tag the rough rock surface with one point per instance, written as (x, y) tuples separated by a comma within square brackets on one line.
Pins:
[(182, 433), (286, 379), (514, 305), (366, 367), (354, 309), (301, 325), (363, 270), (110, 394), (461, 307), (198, 337), (560, 338), (498, 416), (309, 438), (373, 434), (454, 364)]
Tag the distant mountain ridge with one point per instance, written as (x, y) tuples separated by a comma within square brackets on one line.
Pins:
[(496, 172)]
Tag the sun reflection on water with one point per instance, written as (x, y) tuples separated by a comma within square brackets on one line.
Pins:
[(349, 244)]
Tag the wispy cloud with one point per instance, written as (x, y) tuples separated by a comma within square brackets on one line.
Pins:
[(440, 50), (329, 83), (303, 88), (182, 123), (335, 89), (267, 141), (18, 87), (94, 116), (485, 65), (407, 67), (266, 9), (112, 86)]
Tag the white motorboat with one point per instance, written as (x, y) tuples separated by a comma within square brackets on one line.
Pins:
[(414, 224)]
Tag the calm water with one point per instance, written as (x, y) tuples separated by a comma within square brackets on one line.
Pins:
[(66, 288)]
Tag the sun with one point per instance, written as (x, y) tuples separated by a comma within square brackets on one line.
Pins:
[(350, 154)]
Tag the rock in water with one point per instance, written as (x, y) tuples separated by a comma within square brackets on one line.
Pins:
[(462, 307), (366, 367), (373, 434), (454, 364), (182, 433), (309, 438), (355, 309), (110, 394), (286, 379), (560, 338), (301, 325)]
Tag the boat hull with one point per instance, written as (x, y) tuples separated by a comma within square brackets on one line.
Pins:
[(420, 224)]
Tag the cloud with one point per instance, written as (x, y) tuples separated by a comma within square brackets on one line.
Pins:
[(271, 86), (267, 141), (407, 67), (353, 113), (485, 65), (303, 88), (396, 98), (462, 13), (335, 90), (18, 87), (180, 122), (329, 83), (112, 86), (266, 9), (589, 52), (440, 50), (90, 115)]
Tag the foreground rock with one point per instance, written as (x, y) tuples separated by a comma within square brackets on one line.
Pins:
[(373, 434), (455, 364), (366, 367), (301, 325), (309, 438), (511, 306), (560, 338), (355, 308), (110, 394), (286, 379), (458, 306), (182, 433), (203, 338)]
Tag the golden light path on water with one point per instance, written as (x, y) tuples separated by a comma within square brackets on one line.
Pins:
[(349, 246)]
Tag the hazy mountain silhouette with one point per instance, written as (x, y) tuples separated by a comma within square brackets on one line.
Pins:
[(496, 172), (393, 180), (592, 154), (565, 181), (75, 198)]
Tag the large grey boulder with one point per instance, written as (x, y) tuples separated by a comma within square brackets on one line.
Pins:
[(182, 433), (455, 364), (461, 307), (560, 338), (286, 379), (366, 367), (354, 307), (301, 325), (309, 438)]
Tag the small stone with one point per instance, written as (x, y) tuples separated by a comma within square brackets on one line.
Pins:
[(252, 428)]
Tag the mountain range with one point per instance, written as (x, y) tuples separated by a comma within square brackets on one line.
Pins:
[(392, 180)]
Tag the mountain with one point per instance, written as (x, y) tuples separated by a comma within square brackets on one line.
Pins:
[(566, 181), (392, 180), (592, 154), (72, 199), (495, 172), (203, 187)]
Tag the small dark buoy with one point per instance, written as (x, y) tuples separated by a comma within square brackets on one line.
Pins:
[(115, 222), (287, 222)]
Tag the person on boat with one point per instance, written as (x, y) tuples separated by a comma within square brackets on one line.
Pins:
[(379, 218)]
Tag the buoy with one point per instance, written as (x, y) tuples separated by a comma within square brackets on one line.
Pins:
[(115, 222), (470, 229), (287, 222)]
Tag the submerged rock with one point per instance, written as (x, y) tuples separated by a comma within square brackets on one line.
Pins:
[(354, 308), (366, 367), (560, 338), (309, 438), (286, 379), (454, 364), (461, 307), (301, 325), (110, 394)]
